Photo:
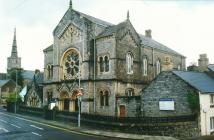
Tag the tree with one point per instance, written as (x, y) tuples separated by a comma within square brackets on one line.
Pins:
[(16, 75)]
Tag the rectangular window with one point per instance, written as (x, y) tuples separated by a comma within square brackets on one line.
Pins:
[(211, 123), (212, 99)]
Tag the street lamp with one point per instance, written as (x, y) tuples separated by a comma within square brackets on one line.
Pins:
[(16, 92)]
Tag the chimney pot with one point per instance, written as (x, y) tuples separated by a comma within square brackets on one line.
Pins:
[(148, 33)]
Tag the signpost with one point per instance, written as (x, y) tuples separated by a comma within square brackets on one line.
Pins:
[(79, 96)]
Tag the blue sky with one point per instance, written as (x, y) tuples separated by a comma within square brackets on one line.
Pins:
[(185, 26)]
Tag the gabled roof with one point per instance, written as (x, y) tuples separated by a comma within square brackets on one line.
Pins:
[(211, 67), (200, 81), (50, 48), (149, 42), (94, 20), (3, 82)]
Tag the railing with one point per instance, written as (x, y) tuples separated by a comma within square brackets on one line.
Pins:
[(113, 119)]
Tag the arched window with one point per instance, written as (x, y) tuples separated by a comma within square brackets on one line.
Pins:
[(51, 75), (48, 71), (101, 64), (104, 98), (145, 66), (158, 67), (106, 64), (71, 64), (129, 63), (129, 92)]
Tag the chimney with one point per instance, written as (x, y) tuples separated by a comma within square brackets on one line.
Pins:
[(203, 62), (148, 33)]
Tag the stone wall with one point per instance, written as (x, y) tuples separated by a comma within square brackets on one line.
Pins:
[(132, 104), (166, 85)]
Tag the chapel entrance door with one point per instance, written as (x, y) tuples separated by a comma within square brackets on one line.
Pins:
[(122, 111)]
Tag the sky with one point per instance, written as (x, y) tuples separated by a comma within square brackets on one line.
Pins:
[(185, 26)]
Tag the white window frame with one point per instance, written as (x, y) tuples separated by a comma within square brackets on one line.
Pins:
[(212, 123), (129, 63), (211, 99)]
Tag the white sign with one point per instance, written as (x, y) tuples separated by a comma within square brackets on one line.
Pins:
[(166, 104)]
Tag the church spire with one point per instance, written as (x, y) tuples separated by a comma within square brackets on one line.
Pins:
[(70, 4), (14, 52), (128, 15)]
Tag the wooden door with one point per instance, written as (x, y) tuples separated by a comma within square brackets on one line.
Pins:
[(122, 110)]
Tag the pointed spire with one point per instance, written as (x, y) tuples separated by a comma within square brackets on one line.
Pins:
[(70, 4), (14, 52), (128, 15)]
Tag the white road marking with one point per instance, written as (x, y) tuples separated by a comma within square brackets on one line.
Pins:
[(36, 134), (5, 130), (37, 127), (4, 121), (15, 125)]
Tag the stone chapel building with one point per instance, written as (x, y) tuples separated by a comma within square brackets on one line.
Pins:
[(108, 62)]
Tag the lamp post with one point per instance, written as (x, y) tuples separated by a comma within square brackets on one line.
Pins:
[(16, 92)]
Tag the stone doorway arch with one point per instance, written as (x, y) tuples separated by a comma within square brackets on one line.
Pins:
[(68, 103)]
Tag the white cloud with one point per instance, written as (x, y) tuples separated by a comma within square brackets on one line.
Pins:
[(186, 27)]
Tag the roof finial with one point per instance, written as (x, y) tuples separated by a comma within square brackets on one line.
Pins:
[(128, 14), (70, 4)]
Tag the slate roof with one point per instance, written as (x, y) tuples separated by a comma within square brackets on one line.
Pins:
[(3, 82), (27, 74), (94, 20), (149, 42), (200, 81), (146, 41), (211, 67), (110, 30), (50, 48)]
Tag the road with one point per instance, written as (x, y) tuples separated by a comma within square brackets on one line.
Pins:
[(17, 128)]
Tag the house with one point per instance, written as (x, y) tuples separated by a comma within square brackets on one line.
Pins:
[(109, 62), (6, 87), (178, 93)]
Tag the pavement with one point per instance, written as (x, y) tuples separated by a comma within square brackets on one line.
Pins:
[(72, 127)]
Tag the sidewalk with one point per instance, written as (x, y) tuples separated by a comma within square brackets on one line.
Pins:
[(84, 130)]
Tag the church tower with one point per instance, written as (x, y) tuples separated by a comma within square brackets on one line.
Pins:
[(14, 61)]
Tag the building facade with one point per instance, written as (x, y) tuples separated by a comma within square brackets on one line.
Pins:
[(108, 62)]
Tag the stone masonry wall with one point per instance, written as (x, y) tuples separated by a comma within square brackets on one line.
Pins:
[(166, 85)]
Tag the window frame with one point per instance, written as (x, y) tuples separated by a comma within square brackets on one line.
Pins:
[(145, 66), (212, 123), (129, 62)]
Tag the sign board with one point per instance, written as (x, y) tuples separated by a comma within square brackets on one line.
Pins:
[(166, 104)]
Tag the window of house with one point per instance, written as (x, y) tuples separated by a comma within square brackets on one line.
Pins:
[(129, 63), (145, 67), (104, 98), (179, 67), (51, 73), (129, 92), (48, 71), (158, 67), (104, 64), (212, 99), (101, 64), (49, 96), (212, 123)]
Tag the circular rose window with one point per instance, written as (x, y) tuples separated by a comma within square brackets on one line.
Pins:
[(71, 65)]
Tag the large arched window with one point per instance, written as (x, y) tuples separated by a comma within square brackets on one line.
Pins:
[(145, 66), (129, 62), (104, 98), (158, 67), (71, 64)]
